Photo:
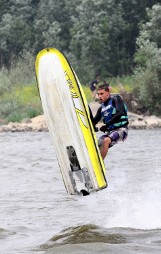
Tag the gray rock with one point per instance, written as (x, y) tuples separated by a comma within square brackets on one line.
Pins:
[(26, 120)]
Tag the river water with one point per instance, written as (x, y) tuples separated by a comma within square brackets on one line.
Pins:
[(38, 216)]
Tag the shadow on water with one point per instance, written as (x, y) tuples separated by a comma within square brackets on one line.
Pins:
[(5, 233), (86, 234), (85, 239)]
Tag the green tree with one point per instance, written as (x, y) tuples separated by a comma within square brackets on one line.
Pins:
[(148, 58), (5, 7), (52, 25), (104, 34), (15, 34), (100, 35)]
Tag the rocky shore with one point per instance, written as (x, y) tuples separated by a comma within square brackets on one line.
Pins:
[(35, 124), (38, 123)]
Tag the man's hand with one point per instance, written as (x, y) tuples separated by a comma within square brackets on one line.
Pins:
[(103, 128), (95, 128)]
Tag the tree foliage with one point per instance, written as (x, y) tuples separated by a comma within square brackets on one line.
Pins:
[(148, 57), (99, 36)]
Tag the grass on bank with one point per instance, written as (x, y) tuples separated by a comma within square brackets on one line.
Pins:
[(19, 96), (23, 101)]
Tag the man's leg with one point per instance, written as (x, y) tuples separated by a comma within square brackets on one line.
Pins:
[(105, 146), (94, 94), (113, 138)]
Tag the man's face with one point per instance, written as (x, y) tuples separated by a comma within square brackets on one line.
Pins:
[(103, 95)]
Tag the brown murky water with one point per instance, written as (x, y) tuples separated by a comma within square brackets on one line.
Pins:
[(38, 216)]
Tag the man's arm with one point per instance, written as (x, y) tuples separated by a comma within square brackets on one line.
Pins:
[(97, 117)]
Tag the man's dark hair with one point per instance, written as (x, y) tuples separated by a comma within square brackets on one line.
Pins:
[(105, 87)]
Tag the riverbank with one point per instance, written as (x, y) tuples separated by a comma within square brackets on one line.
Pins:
[(38, 123)]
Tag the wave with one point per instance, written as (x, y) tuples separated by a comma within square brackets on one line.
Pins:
[(4, 233), (95, 239)]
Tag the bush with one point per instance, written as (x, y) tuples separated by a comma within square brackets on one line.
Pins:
[(23, 70), (18, 116), (18, 90), (14, 117), (148, 75), (148, 57), (5, 81), (8, 104)]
